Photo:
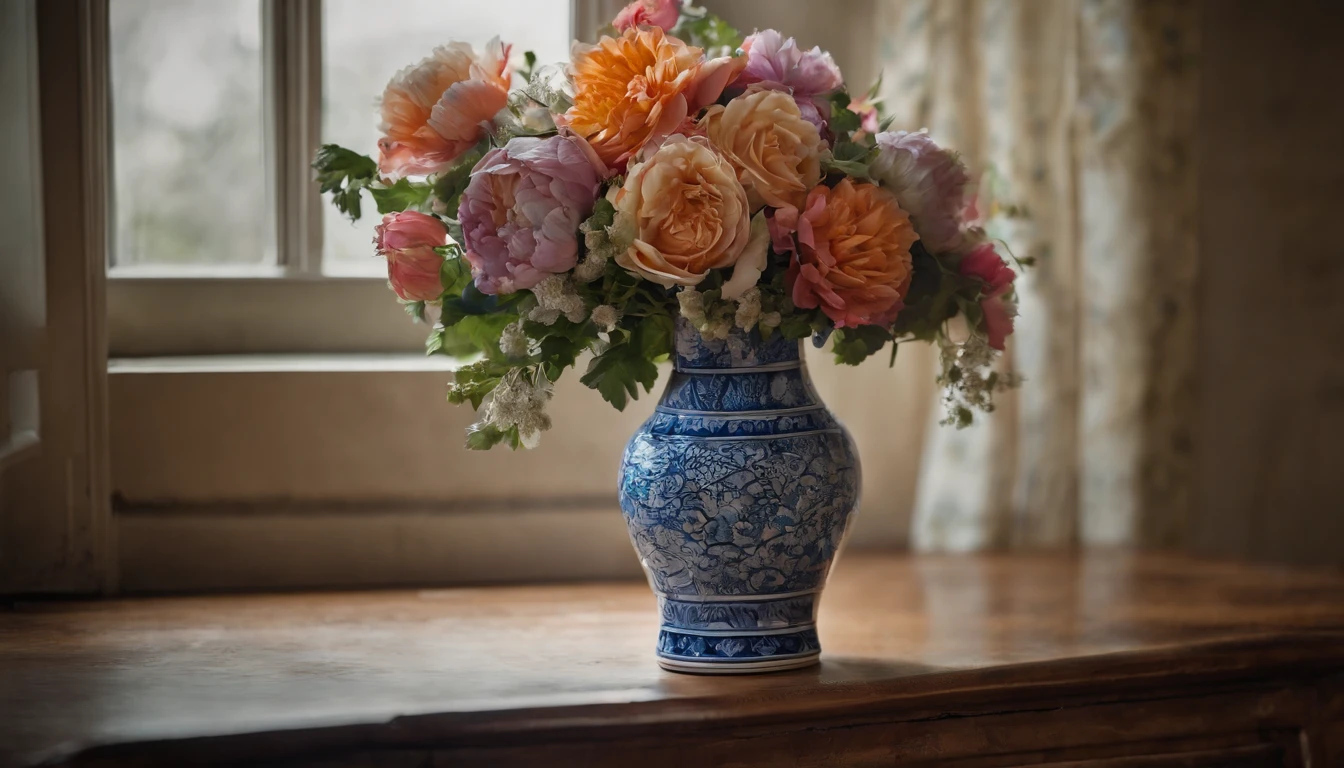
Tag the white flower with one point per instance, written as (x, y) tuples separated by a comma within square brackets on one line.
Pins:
[(591, 268), (748, 309), (520, 401), (692, 304), (605, 317), (720, 329), (555, 297), (513, 341), (771, 320)]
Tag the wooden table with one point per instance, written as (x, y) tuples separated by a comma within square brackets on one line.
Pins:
[(1107, 659)]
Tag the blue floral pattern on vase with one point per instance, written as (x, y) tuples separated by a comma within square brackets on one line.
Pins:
[(736, 493)]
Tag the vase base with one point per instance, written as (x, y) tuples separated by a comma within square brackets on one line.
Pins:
[(755, 667)]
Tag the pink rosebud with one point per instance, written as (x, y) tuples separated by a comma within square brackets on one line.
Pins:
[(407, 240), (648, 13), (868, 118), (984, 264)]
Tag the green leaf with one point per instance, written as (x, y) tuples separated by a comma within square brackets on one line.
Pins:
[(455, 275), (931, 299), (479, 332), (402, 196), (796, 325), (482, 437), (852, 168), (653, 335), (344, 174), (449, 185), (529, 65), (471, 383), (854, 345), (618, 372), (703, 29), (843, 122)]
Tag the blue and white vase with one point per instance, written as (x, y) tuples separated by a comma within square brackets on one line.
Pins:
[(737, 492)]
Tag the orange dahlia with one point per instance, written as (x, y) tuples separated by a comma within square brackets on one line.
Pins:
[(852, 253), (631, 89)]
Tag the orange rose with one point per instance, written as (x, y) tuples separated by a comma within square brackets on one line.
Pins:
[(776, 151), (851, 248), (634, 88), (434, 111), (688, 214)]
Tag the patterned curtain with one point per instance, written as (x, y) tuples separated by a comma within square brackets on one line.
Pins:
[(1085, 109)]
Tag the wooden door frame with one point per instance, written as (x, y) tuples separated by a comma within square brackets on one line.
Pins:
[(55, 532)]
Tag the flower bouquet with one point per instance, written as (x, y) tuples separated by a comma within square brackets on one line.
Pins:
[(674, 172), (677, 191)]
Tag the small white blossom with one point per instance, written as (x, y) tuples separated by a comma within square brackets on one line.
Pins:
[(555, 297), (748, 309), (968, 378), (771, 320), (720, 330), (605, 317), (520, 401), (513, 341), (591, 268), (692, 304)]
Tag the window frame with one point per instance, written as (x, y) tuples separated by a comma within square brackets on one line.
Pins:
[(169, 310)]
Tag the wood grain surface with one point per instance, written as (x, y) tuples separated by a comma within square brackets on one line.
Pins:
[(977, 645)]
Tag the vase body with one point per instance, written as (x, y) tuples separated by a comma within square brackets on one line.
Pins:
[(737, 492)]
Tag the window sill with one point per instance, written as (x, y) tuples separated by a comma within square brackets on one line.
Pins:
[(282, 363)]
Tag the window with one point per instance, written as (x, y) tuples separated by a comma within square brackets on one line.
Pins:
[(220, 242), (236, 461)]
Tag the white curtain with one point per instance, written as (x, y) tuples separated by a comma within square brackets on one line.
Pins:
[(1086, 110)]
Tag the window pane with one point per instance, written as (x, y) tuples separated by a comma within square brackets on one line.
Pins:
[(366, 43), (188, 127)]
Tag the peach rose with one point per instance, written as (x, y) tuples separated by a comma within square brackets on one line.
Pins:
[(436, 110), (851, 248), (688, 214), (777, 153), (407, 240), (635, 88)]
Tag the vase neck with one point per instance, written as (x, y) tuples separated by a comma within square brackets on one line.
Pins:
[(741, 349)]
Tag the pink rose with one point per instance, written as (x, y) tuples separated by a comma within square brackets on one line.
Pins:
[(522, 208), (810, 76), (648, 13), (407, 240), (984, 264), (928, 181)]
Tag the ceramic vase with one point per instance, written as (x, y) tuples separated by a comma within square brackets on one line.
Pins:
[(737, 492)]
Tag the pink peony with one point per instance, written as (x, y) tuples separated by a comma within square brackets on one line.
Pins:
[(984, 264), (810, 76), (521, 210), (648, 13), (407, 240), (928, 181)]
